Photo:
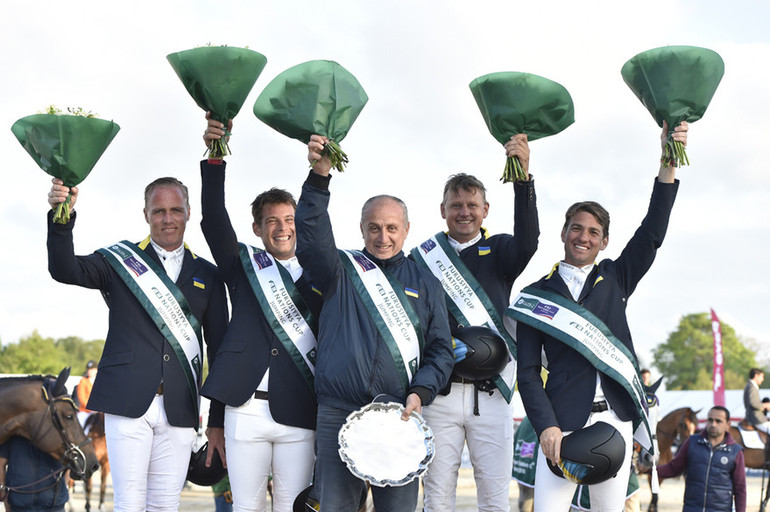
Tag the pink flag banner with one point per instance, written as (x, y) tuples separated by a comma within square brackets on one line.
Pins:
[(719, 361)]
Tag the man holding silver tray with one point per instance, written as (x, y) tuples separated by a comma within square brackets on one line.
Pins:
[(383, 329)]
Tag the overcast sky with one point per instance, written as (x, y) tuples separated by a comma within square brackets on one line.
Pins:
[(415, 59)]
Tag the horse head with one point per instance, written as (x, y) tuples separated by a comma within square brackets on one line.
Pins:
[(39, 409), (73, 447)]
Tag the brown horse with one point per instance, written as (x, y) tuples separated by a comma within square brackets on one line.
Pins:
[(756, 458), (95, 426), (38, 408), (674, 429)]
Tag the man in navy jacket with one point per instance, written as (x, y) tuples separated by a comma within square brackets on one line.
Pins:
[(494, 261), (269, 421), (715, 467), (576, 395), (355, 364), (144, 388)]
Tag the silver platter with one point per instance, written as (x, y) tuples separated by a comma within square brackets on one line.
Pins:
[(381, 448)]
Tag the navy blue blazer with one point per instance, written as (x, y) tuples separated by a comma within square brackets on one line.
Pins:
[(250, 346), (569, 391), (136, 356), (496, 261)]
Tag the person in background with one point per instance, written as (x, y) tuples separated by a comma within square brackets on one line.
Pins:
[(756, 410), (714, 463), (83, 392), (38, 476)]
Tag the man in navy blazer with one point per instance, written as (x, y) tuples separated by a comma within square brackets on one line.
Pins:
[(150, 403), (268, 424), (576, 395)]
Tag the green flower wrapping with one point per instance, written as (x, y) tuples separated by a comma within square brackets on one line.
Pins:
[(65, 146), (316, 97), (675, 84), (514, 102), (219, 78)]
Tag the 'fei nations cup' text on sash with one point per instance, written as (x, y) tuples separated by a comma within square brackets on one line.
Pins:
[(574, 325), (166, 305), (466, 299), (390, 310), (283, 306)]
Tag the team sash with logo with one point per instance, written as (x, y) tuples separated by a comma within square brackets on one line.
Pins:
[(165, 304), (584, 332), (283, 306), (390, 310), (466, 299)]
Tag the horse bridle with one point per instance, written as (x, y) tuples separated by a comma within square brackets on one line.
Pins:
[(73, 458)]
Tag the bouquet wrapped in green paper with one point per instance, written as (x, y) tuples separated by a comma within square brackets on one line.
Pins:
[(513, 102), (316, 97), (219, 78), (65, 145), (675, 83)]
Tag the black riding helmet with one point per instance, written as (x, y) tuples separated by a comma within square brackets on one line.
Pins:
[(199, 474), (487, 353), (591, 455)]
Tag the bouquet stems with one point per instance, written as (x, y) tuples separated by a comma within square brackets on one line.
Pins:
[(337, 157), (513, 170), (219, 148), (62, 215), (674, 154)]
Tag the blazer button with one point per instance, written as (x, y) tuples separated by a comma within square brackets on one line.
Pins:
[(274, 352), (166, 358)]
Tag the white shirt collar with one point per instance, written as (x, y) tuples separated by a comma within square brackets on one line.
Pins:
[(172, 260), (459, 247), (574, 277), (293, 266)]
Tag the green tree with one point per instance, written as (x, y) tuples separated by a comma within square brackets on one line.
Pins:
[(36, 354), (687, 356)]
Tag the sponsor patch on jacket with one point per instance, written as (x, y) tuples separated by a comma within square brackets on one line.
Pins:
[(411, 292), (427, 245), (364, 262), (483, 251), (198, 283), (537, 307), (262, 260)]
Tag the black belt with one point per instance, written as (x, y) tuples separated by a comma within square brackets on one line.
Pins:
[(260, 395), (599, 406), (455, 378)]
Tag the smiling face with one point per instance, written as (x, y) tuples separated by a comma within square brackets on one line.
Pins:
[(464, 212), (384, 226), (276, 229), (167, 213), (583, 238)]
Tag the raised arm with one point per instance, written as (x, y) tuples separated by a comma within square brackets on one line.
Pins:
[(215, 224), (638, 255), (316, 250), (526, 228), (90, 271)]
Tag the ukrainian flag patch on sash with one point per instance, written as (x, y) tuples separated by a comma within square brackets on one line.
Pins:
[(198, 283), (483, 251), (411, 292)]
